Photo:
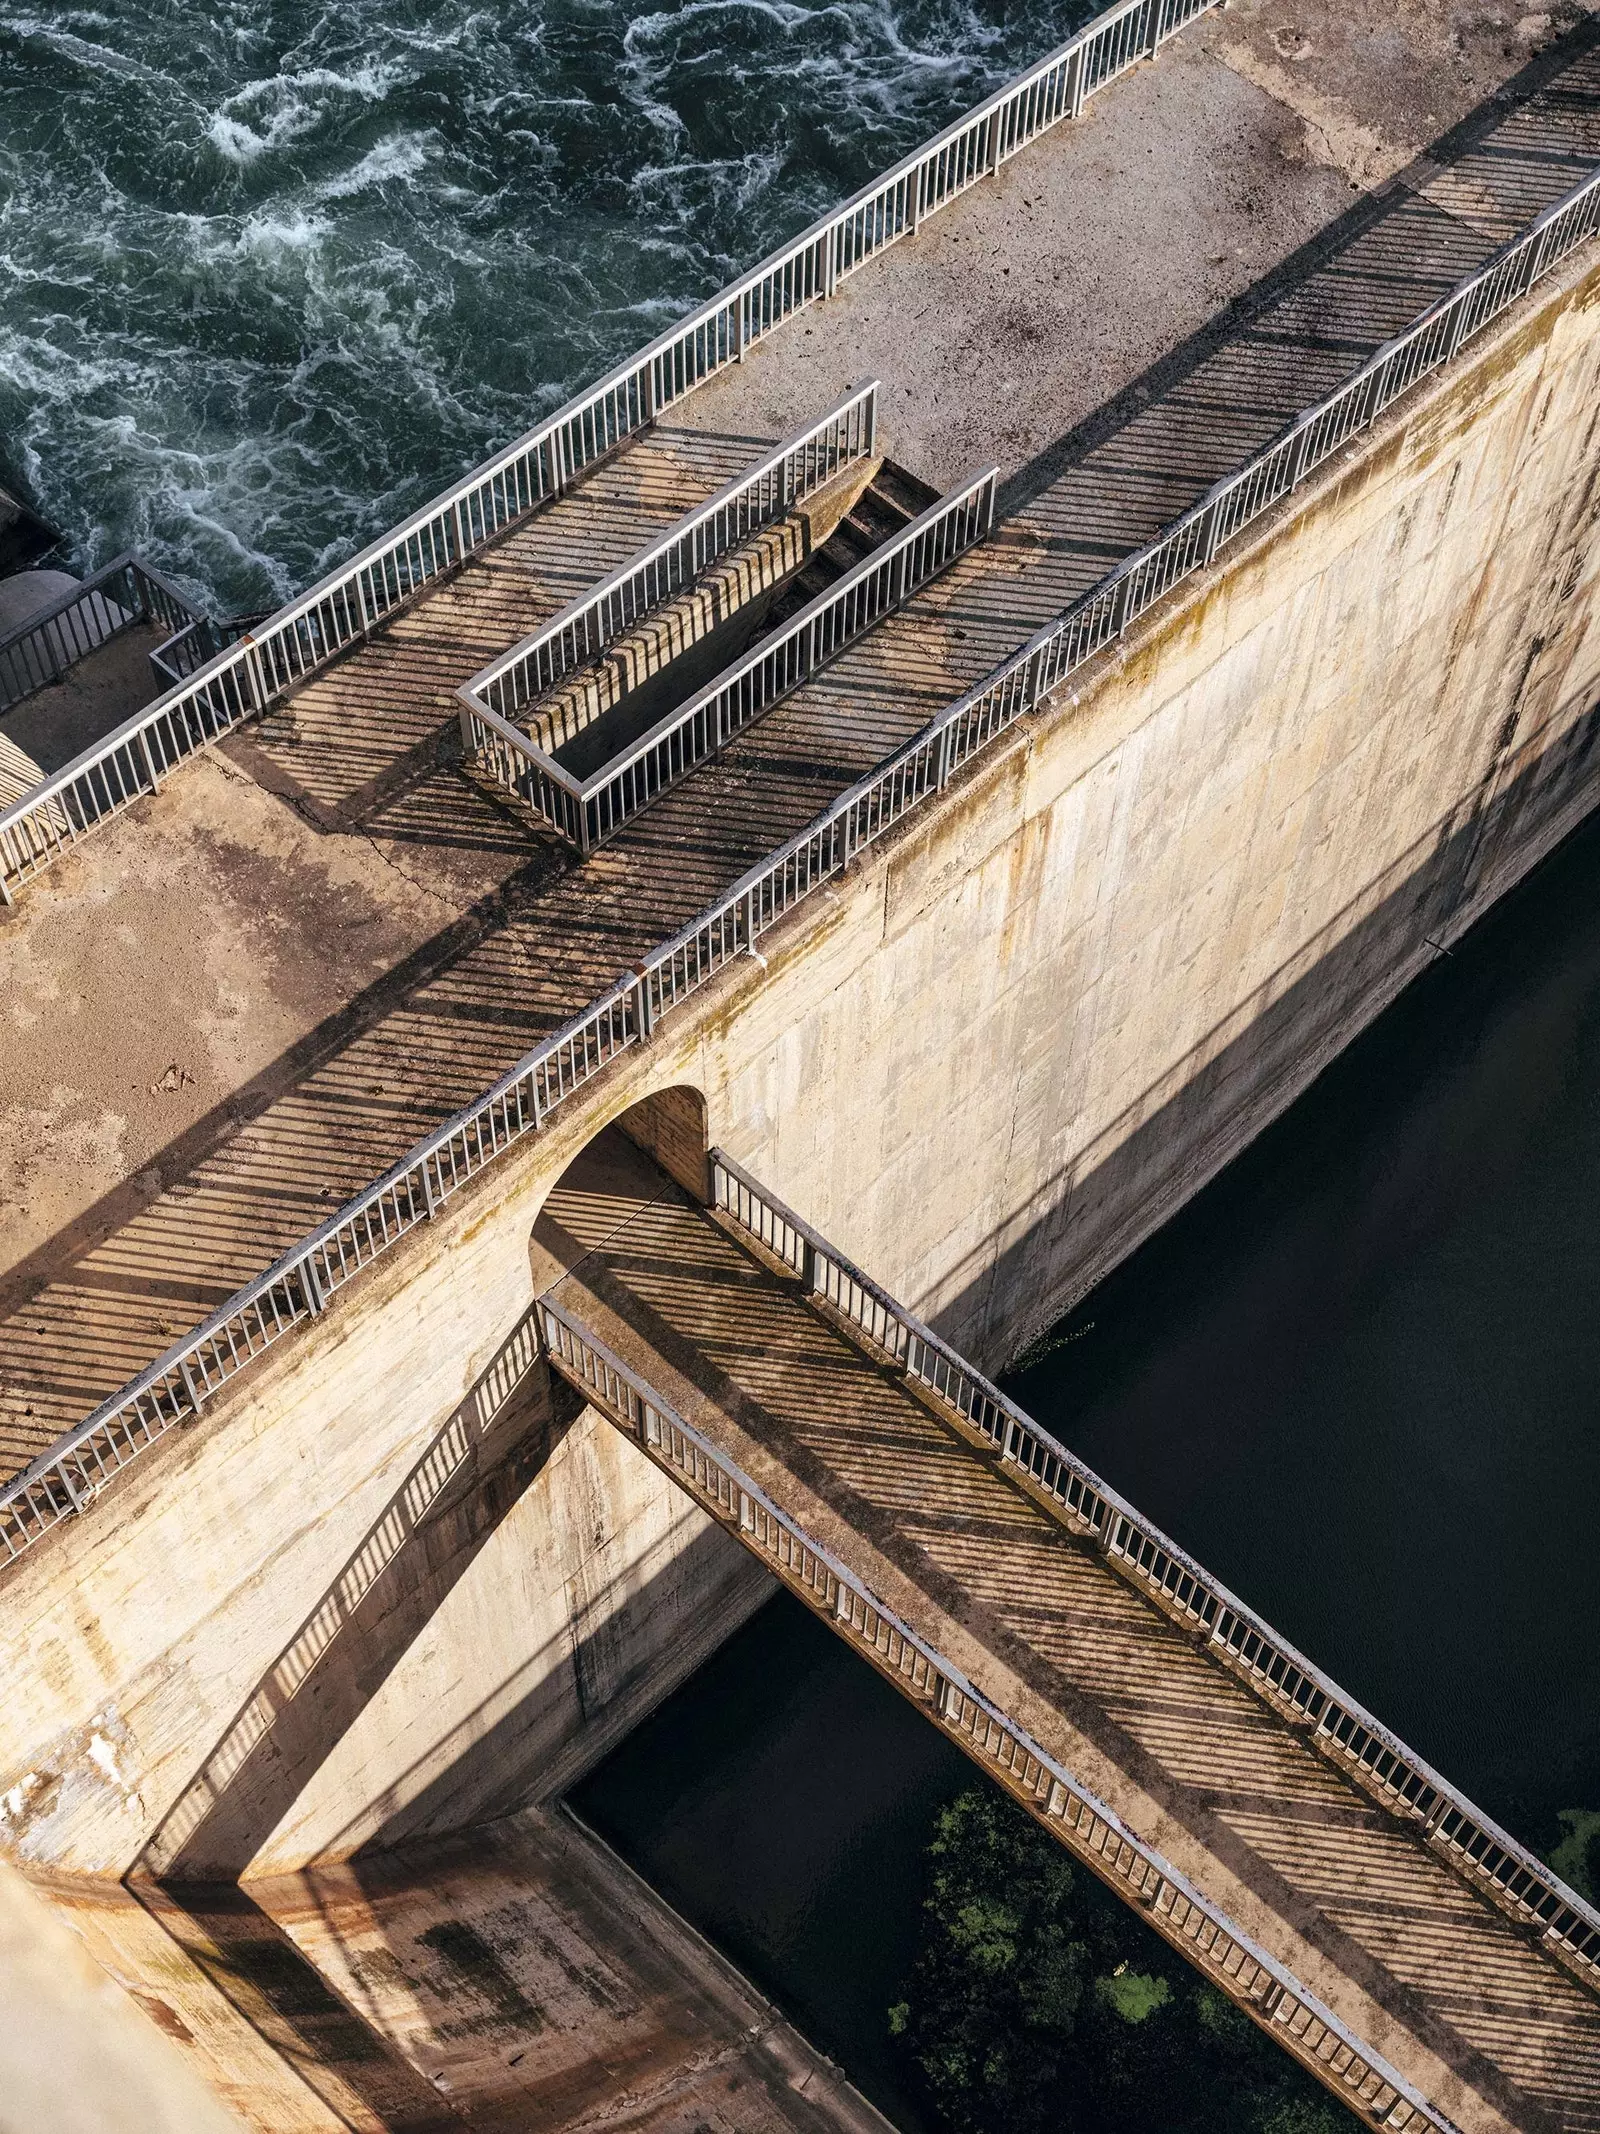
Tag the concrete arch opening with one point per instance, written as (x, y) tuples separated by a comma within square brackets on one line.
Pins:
[(658, 1143)]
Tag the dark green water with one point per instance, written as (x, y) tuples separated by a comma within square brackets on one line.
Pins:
[(272, 271), (1359, 1377)]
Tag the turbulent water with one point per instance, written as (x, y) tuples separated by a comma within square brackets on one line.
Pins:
[(271, 273)]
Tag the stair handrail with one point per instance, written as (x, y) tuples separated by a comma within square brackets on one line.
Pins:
[(586, 811), (779, 480), (1220, 1947), (47, 644)]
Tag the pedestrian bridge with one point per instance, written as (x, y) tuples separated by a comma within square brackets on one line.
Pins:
[(1306, 1861)]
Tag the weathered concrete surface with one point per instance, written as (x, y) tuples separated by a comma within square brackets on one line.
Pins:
[(524, 1979), (76, 2057), (536, 1982), (988, 1060), (53, 725), (1031, 305), (336, 867)]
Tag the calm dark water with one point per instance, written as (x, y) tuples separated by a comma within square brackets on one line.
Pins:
[(1359, 1377)]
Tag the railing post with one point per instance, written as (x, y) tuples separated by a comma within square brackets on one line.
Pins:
[(196, 1397), (310, 1284), (427, 1188), (647, 391), (943, 778), (149, 759), (808, 1267), (914, 201), (1030, 686), (1075, 84), (830, 255), (742, 307), (1302, 451), (1213, 533), (1154, 44), (1458, 331), (643, 1013), (994, 139)]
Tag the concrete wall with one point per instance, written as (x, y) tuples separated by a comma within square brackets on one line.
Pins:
[(987, 1063)]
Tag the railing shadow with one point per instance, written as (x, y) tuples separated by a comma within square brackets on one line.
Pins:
[(473, 1471)]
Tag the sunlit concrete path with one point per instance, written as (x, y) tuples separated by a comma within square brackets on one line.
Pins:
[(1418, 1966)]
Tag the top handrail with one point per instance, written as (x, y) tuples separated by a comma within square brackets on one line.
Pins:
[(345, 603), (855, 415), (1161, 1563)]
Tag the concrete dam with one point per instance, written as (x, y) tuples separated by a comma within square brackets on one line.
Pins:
[(679, 961)]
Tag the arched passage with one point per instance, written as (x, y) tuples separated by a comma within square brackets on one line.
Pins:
[(671, 1127)]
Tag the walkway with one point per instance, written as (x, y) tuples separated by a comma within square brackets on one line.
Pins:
[(92, 1301), (1366, 1916)]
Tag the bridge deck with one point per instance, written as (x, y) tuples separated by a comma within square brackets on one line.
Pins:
[(1416, 1963), (112, 1255)]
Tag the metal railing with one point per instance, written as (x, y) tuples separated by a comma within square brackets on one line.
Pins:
[(77, 622), (187, 650), (778, 481), (589, 810), (62, 1479), (1192, 542), (1285, 1679), (343, 607), (1221, 1950)]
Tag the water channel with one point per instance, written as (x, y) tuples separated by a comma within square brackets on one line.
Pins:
[(1356, 1376)]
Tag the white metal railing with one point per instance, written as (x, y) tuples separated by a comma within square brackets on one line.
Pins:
[(121, 593), (779, 480), (586, 811), (1293, 1685), (343, 607), (1219, 1948), (61, 1481), (1193, 541)]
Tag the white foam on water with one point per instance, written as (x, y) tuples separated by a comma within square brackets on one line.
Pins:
[(399, 155), (271, 273)]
